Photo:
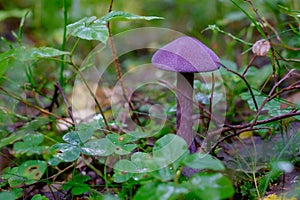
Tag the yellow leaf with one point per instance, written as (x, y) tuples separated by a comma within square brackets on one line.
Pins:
[(275, 197), (246, 134)]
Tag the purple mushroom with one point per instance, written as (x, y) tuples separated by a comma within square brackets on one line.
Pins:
[(185, 55)]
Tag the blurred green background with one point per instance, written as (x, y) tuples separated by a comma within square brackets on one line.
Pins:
[(45, 23)]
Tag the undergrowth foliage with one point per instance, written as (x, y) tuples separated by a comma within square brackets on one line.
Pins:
[(50, 151)]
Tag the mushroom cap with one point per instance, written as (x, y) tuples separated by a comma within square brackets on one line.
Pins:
[(186, 54)]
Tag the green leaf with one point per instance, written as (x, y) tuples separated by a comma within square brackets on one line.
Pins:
[(210, 186), (284, 166), (39, 197), (24, 130), (120, 15), (170, 191), (28, 54), (85, 131), (3, 67), (120, 143), (12, 176), (17, 13), (147, 191), (77, 184), (121, 139), (32, 170), (162, 191), (30, 144), (164, 174), (4, 60), (252, 19), (89, 28), (99, 147), (18, 192), (272, 107), (124, 170), (144, 162), (7, 195), (73, 138), (125, 149), (203, 161), (169, 148), (256, 77), (65, 153), (107, 197)]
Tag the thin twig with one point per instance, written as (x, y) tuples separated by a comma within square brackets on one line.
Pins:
[(249, 64), (54, 100), (70, 112), (247, 127), (274, 61), (246, 82), (266, 100), (34, 106), (118, 69)]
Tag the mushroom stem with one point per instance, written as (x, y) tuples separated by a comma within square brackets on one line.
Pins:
[(185, 82)]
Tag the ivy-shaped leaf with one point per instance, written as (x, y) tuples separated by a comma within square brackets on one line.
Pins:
[(28, 54), (89, 28), (120, 15)]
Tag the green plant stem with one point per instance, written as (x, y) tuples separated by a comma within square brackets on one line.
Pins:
[(256, 186), (92, 167), (254, 161), (177, 175), (92, 94), (216, 28), (63, 46), (258, 27), (74, 47), (20, 31), (105, 175)]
